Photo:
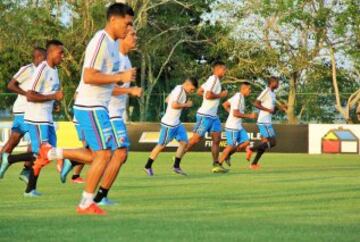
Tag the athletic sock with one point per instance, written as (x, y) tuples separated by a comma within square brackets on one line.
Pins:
[(75, 177), (261, 146), (32, 182), (177, 162), (86, 200), (216, 163), (29, 156), (257, 157), (55, 154), (149, 163), (74, 163), (101, 194)]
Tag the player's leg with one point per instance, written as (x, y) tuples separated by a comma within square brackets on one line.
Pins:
[(118, 158), (6, 151), (267, 142), (160, 146), (39, 135), (76, 175), (202, 125), (181, 137), (216, 138)]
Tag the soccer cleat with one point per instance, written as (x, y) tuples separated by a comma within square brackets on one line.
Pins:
[(149, 171), (67, 167), (254, 166), (93, 209), (179, 171), (24, 175), (228, 161), (4, 165), (248, 153), (78, 180), (32, 193), (106, 202), (219, 169)]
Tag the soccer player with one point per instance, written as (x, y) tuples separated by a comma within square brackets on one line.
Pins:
[(20, 84), (266, 103), (117, 107), (207, 119), (236, 136), (38, 115), (100, 73), (171, 126)]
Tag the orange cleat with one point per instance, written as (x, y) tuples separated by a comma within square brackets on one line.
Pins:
[(254, 167), (78, 180), (249, 153), (93, 209)]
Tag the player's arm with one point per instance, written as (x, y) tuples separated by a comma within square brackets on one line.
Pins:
[(239, 114), (258, 105), (133, 91), (95, 77), (211, 95), (281, 106), (14, 87), (226, 105), (200, 92), (33, 96), (177, 105)]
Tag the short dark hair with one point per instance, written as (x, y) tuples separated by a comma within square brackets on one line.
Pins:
[(40, 49), (273, 79), (245, 82), (120, 10), (218, 63), (194, 81), (52, 42)]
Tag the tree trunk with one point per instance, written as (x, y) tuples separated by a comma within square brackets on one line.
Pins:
[(290, 112), (142, 83)]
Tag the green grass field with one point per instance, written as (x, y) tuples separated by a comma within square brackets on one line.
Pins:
[(293, 198)]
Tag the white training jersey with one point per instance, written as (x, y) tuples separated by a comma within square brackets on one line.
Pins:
[(117, 105), (172, 116), (209, 107), (101, 54), (237, 102), (44, 81), (268, 100), (23, 77)]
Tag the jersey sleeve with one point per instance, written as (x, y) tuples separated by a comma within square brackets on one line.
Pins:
[(95, 53), (236, 102), (176, 94), (39, 79), (23, 74), (210, 84), (262, 96)]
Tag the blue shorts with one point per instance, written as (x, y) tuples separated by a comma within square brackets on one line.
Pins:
[(41, 133), (96, 128), (266, 130), (19, 125), (79, 132), (206, 124), (168, 133), (236, 137), (120, 131)]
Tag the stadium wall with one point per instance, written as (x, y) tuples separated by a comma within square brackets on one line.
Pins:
[(143, 137)]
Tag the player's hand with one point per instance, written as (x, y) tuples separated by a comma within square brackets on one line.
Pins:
[(252, 116), (189, 104), (272, 111), (59, 95), (136, 91), (224, 94), (128, 76)]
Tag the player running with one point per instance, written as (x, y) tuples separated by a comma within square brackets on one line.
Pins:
[(171, 126), (38, 115), (266, 103), (100, 73), (20, 84), (207, 119), (236, 136)]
